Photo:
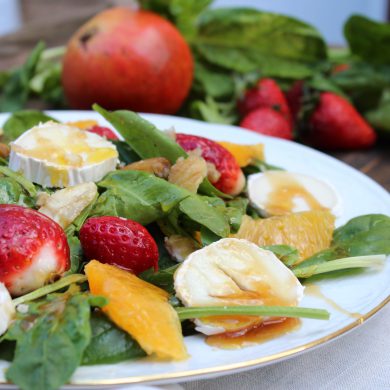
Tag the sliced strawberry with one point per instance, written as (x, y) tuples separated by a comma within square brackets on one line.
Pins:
[(231, 180), (103, 132), (265, 94), (118, 241), (336, 124), (268, 122), (33, 249)]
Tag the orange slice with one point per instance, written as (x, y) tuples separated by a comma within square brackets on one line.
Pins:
[(139, 308), (309, 231), (244, 154), (83, 125)]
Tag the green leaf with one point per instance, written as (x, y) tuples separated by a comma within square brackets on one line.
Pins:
[(148, 142), (260, 166), (16, 89), (126, 154), (368, 39), (244, 40), (379, 117), (361, 236), (50, 341), (162, 278), (285, 253), (76, 254), (146, 198), (27, 186), (109, 344), (21, 121)]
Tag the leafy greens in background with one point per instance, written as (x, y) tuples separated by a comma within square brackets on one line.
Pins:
[(21, 121)]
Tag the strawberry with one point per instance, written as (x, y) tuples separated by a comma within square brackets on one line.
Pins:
[(103, 132), (231, 180), (265, 94), (33, 249), (335, 124), (119, 241), (268, 122), (294, 98)]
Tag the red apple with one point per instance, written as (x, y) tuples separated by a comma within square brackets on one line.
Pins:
[(123, 58)]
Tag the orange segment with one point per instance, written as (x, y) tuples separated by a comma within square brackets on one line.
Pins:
[(309, 231), (244, 154), (83, 125), (140, 309)]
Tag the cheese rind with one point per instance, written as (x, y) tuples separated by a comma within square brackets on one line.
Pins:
[(57, 155)]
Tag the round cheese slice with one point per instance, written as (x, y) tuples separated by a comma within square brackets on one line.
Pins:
[(234, 272), (282, 192), (58, 155)]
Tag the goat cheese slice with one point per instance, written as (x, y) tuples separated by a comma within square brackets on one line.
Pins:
[(58, 155)]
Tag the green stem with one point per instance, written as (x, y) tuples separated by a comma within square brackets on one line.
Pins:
[(41, 292), (339, 264), (186, 313), (53, 53)]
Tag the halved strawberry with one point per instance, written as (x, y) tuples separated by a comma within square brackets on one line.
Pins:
[(231, 180), (33, 249), (103, 132), (119, 241)]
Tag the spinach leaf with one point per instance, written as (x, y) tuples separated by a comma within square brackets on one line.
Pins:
[(379, 117), (21, 121), (76, 254), (183, 13), (16, 89), (364, 235), (146, 198), (126, 154), (109, 344), (368, 39), (162, 278), (148, 142), (260, 166), (20, 179), (50, 340), (244, 40), (285, 253), (11, 192), (7, 350), (235, 209)]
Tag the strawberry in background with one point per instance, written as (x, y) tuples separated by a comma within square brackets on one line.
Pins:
[(265, 110)]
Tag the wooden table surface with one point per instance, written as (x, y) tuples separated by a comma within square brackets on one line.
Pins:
[(67, 15)]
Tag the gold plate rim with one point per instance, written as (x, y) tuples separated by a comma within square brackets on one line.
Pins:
[(193, 374)]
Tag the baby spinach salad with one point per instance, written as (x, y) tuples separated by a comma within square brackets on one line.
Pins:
[(70, 321)]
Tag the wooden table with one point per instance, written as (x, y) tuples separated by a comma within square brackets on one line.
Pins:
[(67, 15)]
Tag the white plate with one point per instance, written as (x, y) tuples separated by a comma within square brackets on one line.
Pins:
[(364, 293)]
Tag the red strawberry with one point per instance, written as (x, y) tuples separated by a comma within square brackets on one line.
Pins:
[(119, 241), (268, 122), (265, 94), (294, 98), (232, 179), (33, 249), (103, 132), (335, 124)]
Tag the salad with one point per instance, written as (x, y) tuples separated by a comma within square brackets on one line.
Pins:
[(116, 244)]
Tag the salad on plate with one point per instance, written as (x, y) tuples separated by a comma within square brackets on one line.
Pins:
[(116, 243)]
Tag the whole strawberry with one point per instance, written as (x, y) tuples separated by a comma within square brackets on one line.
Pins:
[(119, 241), (231, 179), (294, 98), (265, 94), (268, 122), (103, 132), (33, 249), (335, 124)]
